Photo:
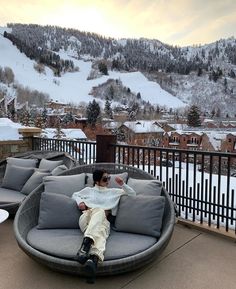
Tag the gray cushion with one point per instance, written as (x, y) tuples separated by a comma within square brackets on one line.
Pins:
[(10, 196), (58, 170), (119, 245), (33, 182), (15, 177), (140, 214), (49, 165), (112, 183), (22, 162), (145, 187), (66, 185), (89, 180), (58, 211)]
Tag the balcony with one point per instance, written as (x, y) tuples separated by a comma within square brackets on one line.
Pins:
[(193, 259)]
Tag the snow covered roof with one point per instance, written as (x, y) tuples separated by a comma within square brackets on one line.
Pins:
[(9, 130), (69, 133), (216, 138), (178, 126), (112, 125), (143, 126), (189, 132)]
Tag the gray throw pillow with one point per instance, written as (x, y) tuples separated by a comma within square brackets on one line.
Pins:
[(112, 183), (145, 187), (140, 214), (49, 165), (65, 185), (58, 212), (58, 170), (33, 182), (15, 177), (32, 163)]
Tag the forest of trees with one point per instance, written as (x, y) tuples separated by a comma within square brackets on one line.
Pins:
[(39, 42)]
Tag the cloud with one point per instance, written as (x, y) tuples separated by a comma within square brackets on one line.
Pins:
[(182, 22)]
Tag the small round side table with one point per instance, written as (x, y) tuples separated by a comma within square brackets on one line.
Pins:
[(3, 215)]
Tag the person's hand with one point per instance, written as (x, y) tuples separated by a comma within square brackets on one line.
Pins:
[(82, 206), (119, 181)]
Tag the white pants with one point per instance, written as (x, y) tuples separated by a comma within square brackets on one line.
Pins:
[(94, 224)]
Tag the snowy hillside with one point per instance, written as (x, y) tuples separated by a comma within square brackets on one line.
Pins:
[(73, 87)]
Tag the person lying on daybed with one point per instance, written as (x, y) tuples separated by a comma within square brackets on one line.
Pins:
[(97, 203)]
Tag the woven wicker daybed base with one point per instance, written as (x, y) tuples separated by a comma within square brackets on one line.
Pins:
[(27, 218)]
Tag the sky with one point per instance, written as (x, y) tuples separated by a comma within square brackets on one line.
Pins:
[(176, 22)]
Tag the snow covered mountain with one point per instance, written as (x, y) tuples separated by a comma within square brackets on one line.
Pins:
[(156, 73)]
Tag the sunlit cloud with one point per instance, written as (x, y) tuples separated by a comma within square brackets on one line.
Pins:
[(178, 22)]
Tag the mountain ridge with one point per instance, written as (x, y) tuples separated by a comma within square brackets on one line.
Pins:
[(203, 75)]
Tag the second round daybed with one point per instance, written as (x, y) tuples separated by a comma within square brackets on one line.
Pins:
[(10, 191), (125, 251)]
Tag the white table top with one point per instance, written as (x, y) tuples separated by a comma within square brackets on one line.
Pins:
[(3, 215)]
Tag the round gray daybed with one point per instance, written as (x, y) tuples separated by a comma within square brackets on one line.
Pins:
[(124, 252), (10, 197)]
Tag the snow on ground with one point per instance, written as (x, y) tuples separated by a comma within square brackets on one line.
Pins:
[(194, 178), (74, 87)]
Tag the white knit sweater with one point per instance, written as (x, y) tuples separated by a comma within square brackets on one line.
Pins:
[(102, 197)]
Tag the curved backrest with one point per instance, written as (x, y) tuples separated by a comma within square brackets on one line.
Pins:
[(68, 160)]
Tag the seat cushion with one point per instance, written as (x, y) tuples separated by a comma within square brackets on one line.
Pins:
[(10, 196), (58, 211), (15, 177), (68, 241), (49, 165), (22, 162), (65, 185), (58, 170), (33, 182), (140, 214), (145, 187)]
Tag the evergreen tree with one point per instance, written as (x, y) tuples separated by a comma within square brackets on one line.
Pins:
[(133, 111), (93, 111), (68, 118), (25, 120), (111, 92), (107, 109), (225, 84), (59, 134), (103, 68), (194, 116), (38, 121), (120, 133), (44, 118)]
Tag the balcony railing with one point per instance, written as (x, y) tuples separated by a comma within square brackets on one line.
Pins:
[(201, 184), (83, 151)]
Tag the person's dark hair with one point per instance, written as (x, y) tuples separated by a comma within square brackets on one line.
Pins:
[(97, 175)]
